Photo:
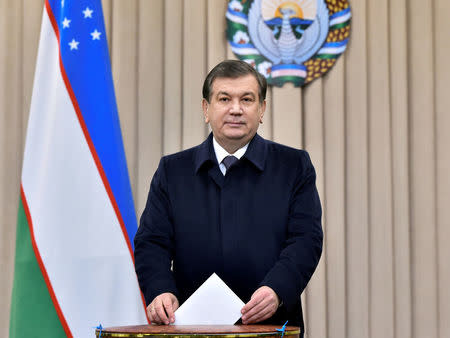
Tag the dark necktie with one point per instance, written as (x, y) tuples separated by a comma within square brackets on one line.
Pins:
[(228, 161)]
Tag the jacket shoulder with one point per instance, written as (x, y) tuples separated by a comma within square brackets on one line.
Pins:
[(179, 160), (285, 154)]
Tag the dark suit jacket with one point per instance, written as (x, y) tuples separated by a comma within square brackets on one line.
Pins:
[(258, 225)]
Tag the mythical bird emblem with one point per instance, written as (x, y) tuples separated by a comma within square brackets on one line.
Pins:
[(289, 40), (287, 48)]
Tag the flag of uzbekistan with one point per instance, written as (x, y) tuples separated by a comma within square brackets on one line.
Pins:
[(74, 265)]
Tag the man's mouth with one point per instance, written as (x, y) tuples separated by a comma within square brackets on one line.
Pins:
[(235, 123)]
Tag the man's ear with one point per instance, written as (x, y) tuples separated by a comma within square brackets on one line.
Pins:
[(205, 107), (262, 111)]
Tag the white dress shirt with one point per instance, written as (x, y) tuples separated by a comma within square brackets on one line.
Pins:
[(222, 153)]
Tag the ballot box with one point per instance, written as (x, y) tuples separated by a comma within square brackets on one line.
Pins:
[(198, 331)]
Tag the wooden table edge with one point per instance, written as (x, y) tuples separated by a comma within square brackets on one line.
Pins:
[(106, 333)]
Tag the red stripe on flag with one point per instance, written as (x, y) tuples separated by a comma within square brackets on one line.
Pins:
[(42, 266), (88, 138)]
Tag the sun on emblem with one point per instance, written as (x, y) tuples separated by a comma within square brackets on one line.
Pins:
[(289, 41)]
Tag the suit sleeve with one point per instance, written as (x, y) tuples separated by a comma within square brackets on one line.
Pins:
[(153, 242), (302, 250)]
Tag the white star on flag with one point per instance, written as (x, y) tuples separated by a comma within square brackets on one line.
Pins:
[(66, 23), (73, 44), (88, 13), (96, 35)]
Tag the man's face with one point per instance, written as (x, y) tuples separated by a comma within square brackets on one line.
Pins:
[(234, 111)]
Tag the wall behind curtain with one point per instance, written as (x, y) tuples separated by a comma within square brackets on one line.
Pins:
[(377, 129)]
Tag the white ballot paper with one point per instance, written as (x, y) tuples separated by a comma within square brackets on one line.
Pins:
[(213, 303)]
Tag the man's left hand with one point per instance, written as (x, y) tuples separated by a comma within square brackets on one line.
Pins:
[(263, 304)]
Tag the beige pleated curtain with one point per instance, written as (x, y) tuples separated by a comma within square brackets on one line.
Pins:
[(377, 128)]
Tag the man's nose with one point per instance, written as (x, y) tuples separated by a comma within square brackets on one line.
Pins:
[(236, 107)]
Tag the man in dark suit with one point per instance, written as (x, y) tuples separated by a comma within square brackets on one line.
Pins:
[(238, 205)]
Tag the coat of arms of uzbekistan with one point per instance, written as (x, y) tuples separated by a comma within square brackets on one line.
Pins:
[(289, 41)]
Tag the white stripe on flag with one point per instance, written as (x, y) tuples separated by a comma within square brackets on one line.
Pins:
[(245, 51), (236, 18), (76, 229), (332, 50), (340, 19), (288, 72)]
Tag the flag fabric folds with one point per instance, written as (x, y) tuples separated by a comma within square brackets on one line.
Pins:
[(74, 263)]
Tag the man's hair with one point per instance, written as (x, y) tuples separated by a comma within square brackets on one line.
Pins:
[(234, 69)]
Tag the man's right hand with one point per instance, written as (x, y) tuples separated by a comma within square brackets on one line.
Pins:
[(161, 309)]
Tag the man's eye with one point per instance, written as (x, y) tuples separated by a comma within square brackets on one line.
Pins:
[(247, 99)]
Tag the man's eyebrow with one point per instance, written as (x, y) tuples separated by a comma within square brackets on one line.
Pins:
[(243, 94)]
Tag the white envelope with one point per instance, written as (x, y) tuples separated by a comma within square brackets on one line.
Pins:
[(213, 303)]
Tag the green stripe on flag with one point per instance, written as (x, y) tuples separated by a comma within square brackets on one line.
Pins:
[(234, 27), (256, 57), (340, 25), (32, 311), (327, 56), (279, 81)]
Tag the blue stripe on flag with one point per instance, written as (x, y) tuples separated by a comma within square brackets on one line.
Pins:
[(288, 66), (335, 44), (241, 45), (85, 56)]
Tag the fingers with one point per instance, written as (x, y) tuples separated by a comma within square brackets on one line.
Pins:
[(263, 304), (264, 314), (161, 309), (256, 299), (161, 313), (151, 314), (170, 306), (259, 312)]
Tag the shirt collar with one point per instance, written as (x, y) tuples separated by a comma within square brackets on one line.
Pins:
[(255, 153), (221, 153)]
